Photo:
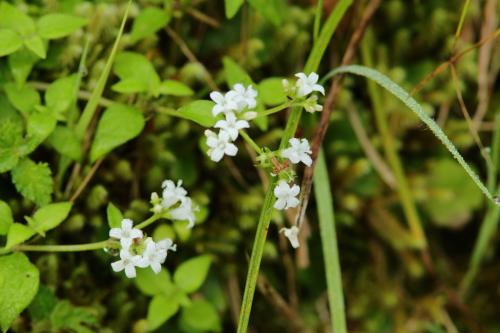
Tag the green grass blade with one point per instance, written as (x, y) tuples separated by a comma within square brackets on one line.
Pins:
[(326, 218), (91, 107), (410, 102), (325, 36), (317, 19)]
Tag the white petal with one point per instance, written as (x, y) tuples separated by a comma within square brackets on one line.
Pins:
[(292, 202), (216, 155), (281, 189), (319, 88), (130, 271), (156, 267), (135, 233), (280, 204), (117, 266), (301, 76), (231, 149), (127, 224), (126, 242), (217, 97), (295, 190), (221, 124), (242, 124), (313, 77), (306, 159), (115, 233), (217, 109)]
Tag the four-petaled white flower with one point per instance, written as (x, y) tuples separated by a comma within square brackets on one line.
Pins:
[(185, 212), (308, 84), (219, 145), (153, 256), (292, 235), (125, 233), (286, 195), (172, 194), (245, 97), (223, 103), (232, 125), (299, 151), (127, 262)]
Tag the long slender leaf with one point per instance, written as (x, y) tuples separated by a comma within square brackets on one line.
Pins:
[(329, 242), (91, 107)]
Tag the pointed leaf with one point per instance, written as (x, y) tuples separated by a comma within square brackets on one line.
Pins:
[(33, 181)]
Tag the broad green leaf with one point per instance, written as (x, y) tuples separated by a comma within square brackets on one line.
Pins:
[(50, 216), (13, 18), (190, 275), (10, 42), (271, 91), (23, 98), (149, 21), (160, 309), (59, 96), (325, 36), (232, 7), (57, 25), (152, 284), (119, 124), (33, 181), (200, 315), (272, 10), (412, 104), (18, 233), (66, 143), (21, 63), (37, 45), (138, 73), (175, 88), (10, 139), (449, 187), (198, 111), (6, 219), (40, 126), (19, 280), (235, 73), (114, 216)]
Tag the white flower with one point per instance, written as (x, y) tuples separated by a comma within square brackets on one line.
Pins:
[(311, 105), (185, 212), (232, 125), (127, 262), (126, 233), (299, 151), (292, 235), (250, 115), (286, 195), (245, 97), (223, 103), (172, 194), (307, 84), (219, 145), (153, 256), (165, 245)]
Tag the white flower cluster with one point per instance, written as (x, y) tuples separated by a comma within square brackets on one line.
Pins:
[(174, 202), (137, 252), (236, 105), (304, 86)]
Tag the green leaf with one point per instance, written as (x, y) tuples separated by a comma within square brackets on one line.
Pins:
[(232, 7), (198, 111), (149, 21), (174, 88), (21, 63), (412, 104), (325, 36), (40, 126), (271, 91), (43, 304), (118, 124), (191, 273), (68, 318), (137, 72), (10, 42), (37, 45), (59, 96), (57, 25), (114, 216), (10, 138), (150, 283), (33, 181), (6, 219), (50, 216), (13, 18), (235, 73), (19, 280), (18, 233), (66, 143), (200, 315), (23, 98), (160, 309), (272, 10)]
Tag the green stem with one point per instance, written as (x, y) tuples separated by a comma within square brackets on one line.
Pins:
[(276, 109), (328, 235), (149, 221), (250, 141), (405, 195)]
